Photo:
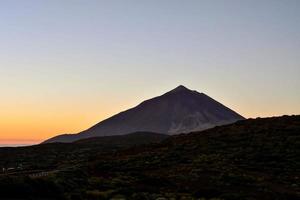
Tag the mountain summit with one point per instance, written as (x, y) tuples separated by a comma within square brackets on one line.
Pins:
[(178, 111), (179, 88)]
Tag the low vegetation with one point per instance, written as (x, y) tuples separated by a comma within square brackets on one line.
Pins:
[(250, 159)]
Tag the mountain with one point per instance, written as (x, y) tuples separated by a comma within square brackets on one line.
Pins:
[(178, 111)]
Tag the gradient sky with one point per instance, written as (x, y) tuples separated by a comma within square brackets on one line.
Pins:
[(65, 65)]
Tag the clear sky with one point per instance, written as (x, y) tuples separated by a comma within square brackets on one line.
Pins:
[(65, 65)]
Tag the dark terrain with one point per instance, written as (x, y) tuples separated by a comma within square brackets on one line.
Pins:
[(250, 159), (178, 111)]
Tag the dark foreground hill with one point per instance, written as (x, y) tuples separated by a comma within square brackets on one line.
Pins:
[(251, 159), (55, 155), (178, 111)]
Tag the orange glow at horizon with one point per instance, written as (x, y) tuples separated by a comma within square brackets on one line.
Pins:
[(66, 66), (38, 128), (34, 124)]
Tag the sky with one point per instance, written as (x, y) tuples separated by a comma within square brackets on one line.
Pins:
[(66, 65)]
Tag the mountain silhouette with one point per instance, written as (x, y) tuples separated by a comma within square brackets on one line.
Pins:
[(178, 111)]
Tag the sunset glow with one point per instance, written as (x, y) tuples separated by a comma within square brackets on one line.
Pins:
[(65, 66)]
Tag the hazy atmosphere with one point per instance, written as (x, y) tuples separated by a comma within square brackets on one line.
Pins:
[(66, 65)]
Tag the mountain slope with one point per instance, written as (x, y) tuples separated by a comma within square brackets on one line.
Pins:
[(51, 155), (250, 159), (179, 111)]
